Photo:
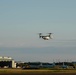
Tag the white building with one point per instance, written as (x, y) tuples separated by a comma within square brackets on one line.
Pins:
[(7, 62)]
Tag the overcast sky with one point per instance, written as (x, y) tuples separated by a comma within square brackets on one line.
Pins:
[(22, 20)]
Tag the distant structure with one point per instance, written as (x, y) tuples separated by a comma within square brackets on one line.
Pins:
[(7, 62)]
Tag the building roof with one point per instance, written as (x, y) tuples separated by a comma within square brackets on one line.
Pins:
[(5, 58)]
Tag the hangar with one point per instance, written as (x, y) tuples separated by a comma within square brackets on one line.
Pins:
[(7, 62)]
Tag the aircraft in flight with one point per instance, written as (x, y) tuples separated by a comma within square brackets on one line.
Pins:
[(45, 37)]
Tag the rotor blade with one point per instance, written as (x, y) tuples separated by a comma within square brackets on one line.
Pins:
[(50, 33)]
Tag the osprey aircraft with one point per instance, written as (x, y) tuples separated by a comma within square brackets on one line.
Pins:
[(46, 37)]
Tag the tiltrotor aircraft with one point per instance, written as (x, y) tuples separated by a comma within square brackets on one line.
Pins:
[(45, 37)]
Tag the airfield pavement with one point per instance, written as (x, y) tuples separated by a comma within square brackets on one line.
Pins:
[(36, 72)]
